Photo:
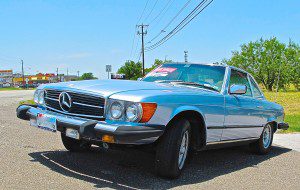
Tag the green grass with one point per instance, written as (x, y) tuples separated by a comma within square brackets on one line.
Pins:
[(294, 122), (291, 104), (9, 88), (14, 88), (26, 102)]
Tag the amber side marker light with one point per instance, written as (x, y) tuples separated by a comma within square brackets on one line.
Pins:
[(148, 111), (108, 139)]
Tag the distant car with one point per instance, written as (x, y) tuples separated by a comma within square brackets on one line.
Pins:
[(176, 108)]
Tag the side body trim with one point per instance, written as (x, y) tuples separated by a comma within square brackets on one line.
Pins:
[(232, 141)]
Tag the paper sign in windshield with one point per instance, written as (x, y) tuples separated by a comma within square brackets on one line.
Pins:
[(162, 71), (165, 70)]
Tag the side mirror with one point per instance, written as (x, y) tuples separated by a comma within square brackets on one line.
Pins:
[(139, 79), (237, 89)]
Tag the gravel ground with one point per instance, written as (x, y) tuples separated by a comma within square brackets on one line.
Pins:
[(34, 159)]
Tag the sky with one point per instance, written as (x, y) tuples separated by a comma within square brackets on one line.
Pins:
[(86, 35)]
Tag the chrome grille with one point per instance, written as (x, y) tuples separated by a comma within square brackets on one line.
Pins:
[(83, 105)]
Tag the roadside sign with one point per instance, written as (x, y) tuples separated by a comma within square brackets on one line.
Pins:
[(118, 76), (108, 68)]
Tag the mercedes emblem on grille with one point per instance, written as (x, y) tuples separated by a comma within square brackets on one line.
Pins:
[(65, 101)]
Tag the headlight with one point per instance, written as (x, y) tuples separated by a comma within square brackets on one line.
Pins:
[(39, 97), (130, 111), (133, 112), (36, 96), (116, 110)]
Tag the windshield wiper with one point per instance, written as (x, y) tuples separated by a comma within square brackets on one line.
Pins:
[(168, 81), (207, 86)]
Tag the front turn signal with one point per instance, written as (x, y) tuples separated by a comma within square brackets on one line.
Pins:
[(148, 111), (108, 139)]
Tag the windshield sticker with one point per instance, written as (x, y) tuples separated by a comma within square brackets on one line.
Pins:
[(162, 71), (165, 70)]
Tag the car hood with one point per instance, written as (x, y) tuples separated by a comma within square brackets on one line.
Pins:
[(109, 87)]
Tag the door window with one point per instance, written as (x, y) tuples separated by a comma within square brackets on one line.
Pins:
[(240, 78)]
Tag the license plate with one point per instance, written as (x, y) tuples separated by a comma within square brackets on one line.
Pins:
[(44, 121)]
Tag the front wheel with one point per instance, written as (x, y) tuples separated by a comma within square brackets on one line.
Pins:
[(264, 143), (74, 145), (173, 149)]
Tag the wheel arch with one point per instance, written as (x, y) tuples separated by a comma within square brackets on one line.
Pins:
[(198, 126), (273, 122), (274, 125)]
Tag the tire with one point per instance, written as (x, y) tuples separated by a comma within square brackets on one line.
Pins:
[(74, 145), (168, 156), (264, 145)]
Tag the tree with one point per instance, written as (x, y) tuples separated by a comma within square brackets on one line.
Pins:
[(265, 59), (132, 70), (156, 63), (87, 76), (293, 58)]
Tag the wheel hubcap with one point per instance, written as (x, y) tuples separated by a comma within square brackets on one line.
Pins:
[(184, 146), (267, 135)]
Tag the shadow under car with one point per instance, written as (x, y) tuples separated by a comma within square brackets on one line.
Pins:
[(134, 169)]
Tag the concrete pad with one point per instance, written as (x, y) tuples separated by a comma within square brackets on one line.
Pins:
[(291, 141)]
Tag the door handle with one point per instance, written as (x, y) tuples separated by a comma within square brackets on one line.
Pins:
[(260, 107)]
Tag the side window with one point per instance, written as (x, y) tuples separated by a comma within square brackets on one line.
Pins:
[(255, 89), (240, 78)]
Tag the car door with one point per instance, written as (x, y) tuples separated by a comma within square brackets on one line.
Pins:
[(258, 100), (242, 118)]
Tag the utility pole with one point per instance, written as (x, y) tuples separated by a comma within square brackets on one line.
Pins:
[(143, 32), (186, 56), (78, 74), (67, 78), (23, 77), (57, 75)]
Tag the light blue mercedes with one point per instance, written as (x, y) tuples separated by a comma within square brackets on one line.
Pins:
[(176, 108)]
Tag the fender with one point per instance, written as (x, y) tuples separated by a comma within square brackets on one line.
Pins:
[(187, 108)]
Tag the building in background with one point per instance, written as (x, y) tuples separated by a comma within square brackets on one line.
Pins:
[(70, 78), (34, 80), (6, 78)]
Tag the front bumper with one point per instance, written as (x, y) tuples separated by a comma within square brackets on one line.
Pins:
[(283, 126), (93, 130)]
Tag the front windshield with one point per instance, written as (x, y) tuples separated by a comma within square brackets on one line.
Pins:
[(202, 75)]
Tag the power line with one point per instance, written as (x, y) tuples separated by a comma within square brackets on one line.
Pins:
[(142, 12), (134, 34), (162, 10), (162, 16), (181, 25), (187, 19), (136, 47), (169, 23), (150, 11), (139, 57)]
